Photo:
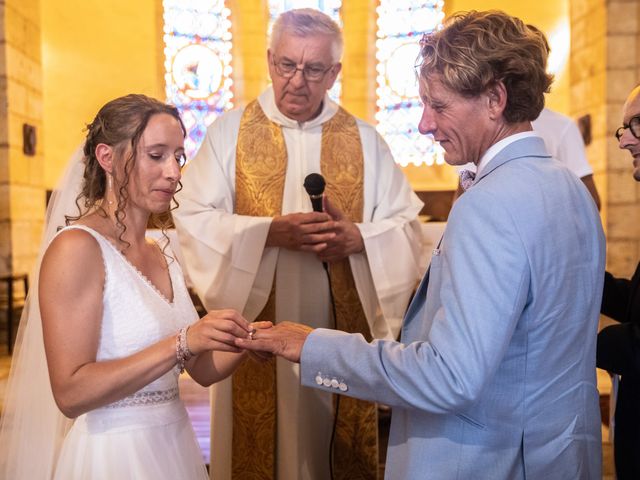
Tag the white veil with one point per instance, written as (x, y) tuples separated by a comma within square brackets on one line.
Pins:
[(32, 427)]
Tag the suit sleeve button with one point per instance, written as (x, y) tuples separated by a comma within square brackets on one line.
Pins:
[(334, 383), (326, 382), (318, 380), (343, 387)]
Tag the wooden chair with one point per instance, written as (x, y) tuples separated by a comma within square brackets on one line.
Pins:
[(13, 301)]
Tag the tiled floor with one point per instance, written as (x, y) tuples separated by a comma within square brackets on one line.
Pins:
[(196, 399)]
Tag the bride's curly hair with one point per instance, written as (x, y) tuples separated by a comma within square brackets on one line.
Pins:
[(120, 124)]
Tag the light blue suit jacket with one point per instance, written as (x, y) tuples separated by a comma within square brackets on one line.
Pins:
[(494, 377)]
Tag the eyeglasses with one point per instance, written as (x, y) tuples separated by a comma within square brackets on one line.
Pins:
[(634, 126), (311, 73)]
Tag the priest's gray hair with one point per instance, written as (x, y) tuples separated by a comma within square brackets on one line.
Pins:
[(307, 22)]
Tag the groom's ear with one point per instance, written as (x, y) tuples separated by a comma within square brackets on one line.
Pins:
[(496, 95), (104, 155)]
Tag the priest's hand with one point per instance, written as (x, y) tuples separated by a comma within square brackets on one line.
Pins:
[(285, 339), (307, 232), (347, 239)]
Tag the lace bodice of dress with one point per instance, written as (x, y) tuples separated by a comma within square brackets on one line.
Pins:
[(137, 315)]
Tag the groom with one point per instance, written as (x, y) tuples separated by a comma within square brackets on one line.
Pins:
[(494, 375)]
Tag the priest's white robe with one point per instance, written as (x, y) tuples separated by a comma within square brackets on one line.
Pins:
[(230, 267)]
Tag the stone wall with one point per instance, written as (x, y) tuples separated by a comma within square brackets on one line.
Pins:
[(22, 195), (5, 191), (605, 66)]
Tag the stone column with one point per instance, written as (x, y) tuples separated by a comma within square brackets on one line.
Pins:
[(249, 20), (22, 194), (359, 59)]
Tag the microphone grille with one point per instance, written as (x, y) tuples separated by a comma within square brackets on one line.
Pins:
[(314, 184)]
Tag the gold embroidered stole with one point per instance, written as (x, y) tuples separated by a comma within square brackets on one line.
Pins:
[(261, 162), (355, 447)]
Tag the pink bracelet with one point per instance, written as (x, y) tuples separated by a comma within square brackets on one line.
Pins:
[(183, 354)]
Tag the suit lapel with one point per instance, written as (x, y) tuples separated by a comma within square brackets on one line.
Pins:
[(418, 298)]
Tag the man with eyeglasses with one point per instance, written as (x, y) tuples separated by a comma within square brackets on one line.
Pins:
[(253, 243), (619, 345)]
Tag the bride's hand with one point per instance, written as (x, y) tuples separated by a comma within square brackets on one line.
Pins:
[(218, 330)]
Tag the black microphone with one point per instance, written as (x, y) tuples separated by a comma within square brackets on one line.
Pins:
[(314, 185)]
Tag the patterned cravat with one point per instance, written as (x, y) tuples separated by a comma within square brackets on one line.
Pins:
[(467, 177)]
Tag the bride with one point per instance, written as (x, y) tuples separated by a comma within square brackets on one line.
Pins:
[(114, 317)]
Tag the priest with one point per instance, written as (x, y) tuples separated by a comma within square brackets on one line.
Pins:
[(252, 242)]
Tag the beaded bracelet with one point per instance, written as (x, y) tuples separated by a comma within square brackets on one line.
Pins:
[(183, 353)]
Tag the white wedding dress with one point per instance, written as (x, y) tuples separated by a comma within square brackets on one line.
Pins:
[(146, 435)]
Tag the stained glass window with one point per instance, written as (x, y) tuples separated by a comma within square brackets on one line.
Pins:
[(197, 50), (401, 23), (330, 7)]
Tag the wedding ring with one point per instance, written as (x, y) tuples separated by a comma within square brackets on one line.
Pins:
[(251, 334)]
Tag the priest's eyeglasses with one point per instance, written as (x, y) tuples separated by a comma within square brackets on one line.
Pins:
[(311, 73), (634, 126)]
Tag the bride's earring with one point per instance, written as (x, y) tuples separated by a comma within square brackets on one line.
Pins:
[(109, 189)]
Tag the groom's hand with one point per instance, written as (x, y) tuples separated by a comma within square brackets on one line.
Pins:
[(285, 339), (256, 355)]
